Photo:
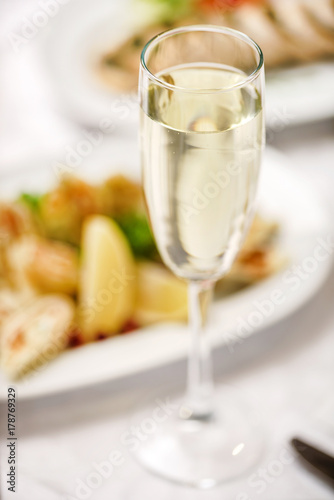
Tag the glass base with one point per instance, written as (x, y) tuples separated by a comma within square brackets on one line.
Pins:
[(199, 452)]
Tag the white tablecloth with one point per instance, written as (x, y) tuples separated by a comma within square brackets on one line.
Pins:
[(287, 371)]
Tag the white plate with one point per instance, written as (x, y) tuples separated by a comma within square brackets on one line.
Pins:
[(83, 29), (283, 195), (303, 94)]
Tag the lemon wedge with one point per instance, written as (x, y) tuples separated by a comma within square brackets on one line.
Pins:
[(161, 296), (108, 278)]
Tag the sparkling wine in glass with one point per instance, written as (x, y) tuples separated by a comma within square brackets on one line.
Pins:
[(202, 136)]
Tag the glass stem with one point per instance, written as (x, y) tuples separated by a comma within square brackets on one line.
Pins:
[(200, 379)]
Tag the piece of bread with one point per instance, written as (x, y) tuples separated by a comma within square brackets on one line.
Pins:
[(296, 24), (38, 265), (259, 23), (322, 13), (35, 334), (10, 301)]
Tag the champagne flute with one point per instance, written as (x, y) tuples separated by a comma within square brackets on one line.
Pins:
[(202, 136)]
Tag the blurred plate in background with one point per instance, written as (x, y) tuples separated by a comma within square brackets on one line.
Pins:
[(284, 196), (83, 31)]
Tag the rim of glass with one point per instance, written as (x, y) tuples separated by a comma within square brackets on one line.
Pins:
[(200, 27)]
